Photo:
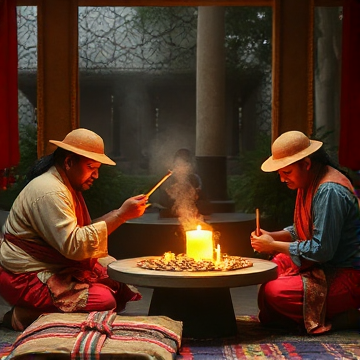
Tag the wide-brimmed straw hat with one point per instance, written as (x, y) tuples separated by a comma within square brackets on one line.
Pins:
[(288, 148), (86, 143)]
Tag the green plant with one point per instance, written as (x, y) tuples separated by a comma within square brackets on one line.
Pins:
[(28, 149), (112, 188), (257, 189)]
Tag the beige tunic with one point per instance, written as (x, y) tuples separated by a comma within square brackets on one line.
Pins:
[(45, 211)]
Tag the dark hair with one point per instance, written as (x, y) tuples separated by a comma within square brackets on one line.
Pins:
[(183, 154), (322, 157), (40, 166), (46, 162)]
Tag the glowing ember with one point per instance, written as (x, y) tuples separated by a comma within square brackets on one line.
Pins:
[(171, 262)]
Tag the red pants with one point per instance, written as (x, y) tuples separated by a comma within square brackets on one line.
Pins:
[(26, 290), (281, 300)]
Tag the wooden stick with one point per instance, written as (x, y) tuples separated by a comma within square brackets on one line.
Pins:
[(257, 232), (159, 183)]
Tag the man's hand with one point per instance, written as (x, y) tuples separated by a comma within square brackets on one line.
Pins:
[(133, 207), (130, 209)]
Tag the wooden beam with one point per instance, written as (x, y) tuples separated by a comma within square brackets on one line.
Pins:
[(180, 2), (161, 2), (293, 32), (195, 2), (26, 2), (175, 2), (329, 2), (57, 80)]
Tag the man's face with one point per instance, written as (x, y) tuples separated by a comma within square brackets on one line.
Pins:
[(296, 175), (82, 172)]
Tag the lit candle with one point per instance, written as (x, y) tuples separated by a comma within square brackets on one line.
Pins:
[(199, 244), (218, 253)]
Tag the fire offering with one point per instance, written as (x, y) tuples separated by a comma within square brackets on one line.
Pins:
[(171, 262)]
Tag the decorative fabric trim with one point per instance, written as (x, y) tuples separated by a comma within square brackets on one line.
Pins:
[(94, 331)]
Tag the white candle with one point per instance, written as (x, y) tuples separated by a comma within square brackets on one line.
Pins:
[(199, 244), (218, 253)]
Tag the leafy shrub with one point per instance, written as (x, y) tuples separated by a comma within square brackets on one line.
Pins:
[(112, 188), (257, 189)]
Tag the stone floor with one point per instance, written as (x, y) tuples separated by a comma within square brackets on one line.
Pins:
[(244, 301)]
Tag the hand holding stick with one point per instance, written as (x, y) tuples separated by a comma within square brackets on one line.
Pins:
[(257, 231)]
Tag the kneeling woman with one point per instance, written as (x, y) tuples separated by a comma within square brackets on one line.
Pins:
[(318, 258)]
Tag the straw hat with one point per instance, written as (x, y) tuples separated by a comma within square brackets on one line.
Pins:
[(85, 143), (289, 148)]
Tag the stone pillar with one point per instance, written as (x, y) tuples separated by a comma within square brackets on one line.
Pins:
[(57, 89), (210, 112), (293, 29), (134, 116)]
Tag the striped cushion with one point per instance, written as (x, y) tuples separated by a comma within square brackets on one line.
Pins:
[(99, 335)]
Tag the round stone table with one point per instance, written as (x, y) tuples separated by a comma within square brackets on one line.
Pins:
[(201, 300)]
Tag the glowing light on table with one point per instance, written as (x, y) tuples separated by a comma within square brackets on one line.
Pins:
[(218, 254), (199, 244)]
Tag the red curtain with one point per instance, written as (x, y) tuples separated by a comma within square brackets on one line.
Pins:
[(9, 133), (349, 149)]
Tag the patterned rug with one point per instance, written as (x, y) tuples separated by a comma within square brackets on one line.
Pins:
[(254, 341)]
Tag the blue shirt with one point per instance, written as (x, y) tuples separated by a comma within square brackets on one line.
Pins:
[(336, 229)]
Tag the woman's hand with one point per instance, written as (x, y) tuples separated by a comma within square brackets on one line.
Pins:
[(263, 243), (271, 242), (262, 232)]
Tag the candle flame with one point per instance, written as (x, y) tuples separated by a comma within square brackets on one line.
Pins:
[(198, 227)]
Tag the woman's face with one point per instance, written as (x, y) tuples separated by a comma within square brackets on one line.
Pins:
[(81, 172), (296, 175)]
